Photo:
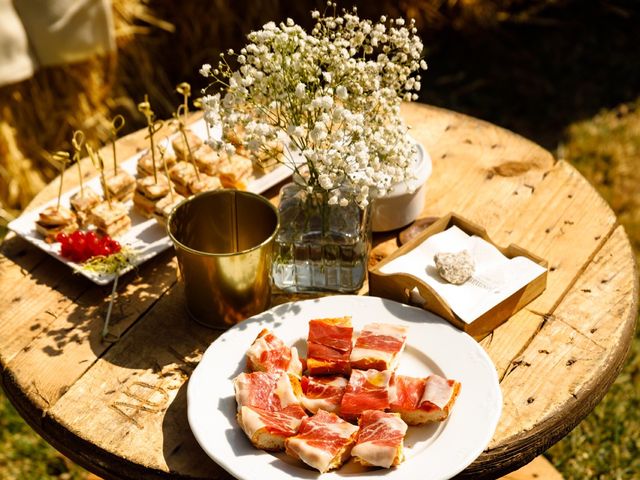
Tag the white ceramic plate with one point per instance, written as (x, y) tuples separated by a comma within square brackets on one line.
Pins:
[(146, 237), (436, 451)]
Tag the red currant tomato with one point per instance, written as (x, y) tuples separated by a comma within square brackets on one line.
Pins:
[(62, 237)]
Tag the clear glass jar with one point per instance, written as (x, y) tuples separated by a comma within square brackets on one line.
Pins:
[(320, 247)]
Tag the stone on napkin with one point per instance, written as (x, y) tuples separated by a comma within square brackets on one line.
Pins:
[(455, 268)]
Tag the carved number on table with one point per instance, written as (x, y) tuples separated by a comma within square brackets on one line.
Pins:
[(141, 404)]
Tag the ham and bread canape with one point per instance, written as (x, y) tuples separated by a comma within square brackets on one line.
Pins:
[(268, 353), (181, 174), (145, 163), (323, 441), (121, 185), (204, 183), (233, 171), (329, 346), (111, 218), (380, 439), (180, 147), (378, 346), (323, 393), (82, 203), (165, 206), (208, 160), (149, 192), (367, 390), (53, 220), (423, 400), (268, 407)]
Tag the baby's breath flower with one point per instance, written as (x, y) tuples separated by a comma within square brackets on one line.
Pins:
[(334, 92)]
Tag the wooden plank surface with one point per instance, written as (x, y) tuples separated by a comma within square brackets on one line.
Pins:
[(120, 409)]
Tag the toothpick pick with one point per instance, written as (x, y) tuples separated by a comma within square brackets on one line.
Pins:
[(117, 124), (185, 89), (98, 163), (62, 158), (77, 141), (184, 139), (145, 108), (163, 150)]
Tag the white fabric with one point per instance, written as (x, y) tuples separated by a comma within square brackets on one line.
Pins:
[(37, 33)]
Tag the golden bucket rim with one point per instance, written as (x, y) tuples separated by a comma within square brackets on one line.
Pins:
[(214, 192)]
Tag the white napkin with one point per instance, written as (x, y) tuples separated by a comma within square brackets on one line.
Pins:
[(496, 277)]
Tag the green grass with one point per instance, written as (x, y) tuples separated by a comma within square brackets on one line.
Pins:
[(606, 445), (26, 456)]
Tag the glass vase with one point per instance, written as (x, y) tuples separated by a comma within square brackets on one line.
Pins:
[(320, 247)]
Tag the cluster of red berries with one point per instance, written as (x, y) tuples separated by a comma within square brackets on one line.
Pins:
[(81, 246)]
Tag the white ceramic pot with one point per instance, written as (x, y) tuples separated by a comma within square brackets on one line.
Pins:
[(401, 206)]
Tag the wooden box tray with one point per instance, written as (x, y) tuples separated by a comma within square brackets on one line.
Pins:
[(401, 286)]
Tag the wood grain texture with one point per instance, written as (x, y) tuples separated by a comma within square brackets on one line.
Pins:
[(120, 410)]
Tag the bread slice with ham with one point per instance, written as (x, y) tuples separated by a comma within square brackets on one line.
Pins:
[(423, 400), (268, 407), (323, 393), (268, 353), (367, 390), (378, 346), (329, 346), (380, 439), (323, 442)]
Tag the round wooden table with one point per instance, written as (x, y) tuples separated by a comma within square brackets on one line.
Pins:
[(120, 409)]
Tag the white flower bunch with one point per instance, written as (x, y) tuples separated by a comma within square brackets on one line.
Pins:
[(334, 94)]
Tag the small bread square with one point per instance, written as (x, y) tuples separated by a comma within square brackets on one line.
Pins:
[(323, 442), (266, 429), (268, 353), (380, 439), (423, 400), (205, 183), (378, 346), (120, 185), (180, 147), (329, 346), (367, 390)]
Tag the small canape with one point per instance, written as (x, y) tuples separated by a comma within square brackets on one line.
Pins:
[(82, 203), (180, 148), (145, 163), (111, 218), (148, 193), (208, 160), (181, 174), (165, 206), (205, 183), (121, 185), (53, 220), (234, 171)]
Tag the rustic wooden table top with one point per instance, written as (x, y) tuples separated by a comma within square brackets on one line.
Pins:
[(120, 409)]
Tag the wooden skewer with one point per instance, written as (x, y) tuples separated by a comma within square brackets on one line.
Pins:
[(98, 163), (62, 158), (184, 139), (166, 169), (117, 124), (145, 108), (77, 141), (185, 89)]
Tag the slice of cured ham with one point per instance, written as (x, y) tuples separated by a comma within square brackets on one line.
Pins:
[(378, 346), (367, 390), (323, 393), (422, 400), (268, 429), (329, 346), (268, 353), (380, 439), (268, 407), (323, 442)]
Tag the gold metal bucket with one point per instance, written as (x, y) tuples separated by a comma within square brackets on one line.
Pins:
[(223, 240)]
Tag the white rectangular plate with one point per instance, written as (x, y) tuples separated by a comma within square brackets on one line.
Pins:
[(145, 237)]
